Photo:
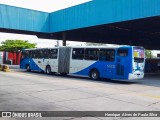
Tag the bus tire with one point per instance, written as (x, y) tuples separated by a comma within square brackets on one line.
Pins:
[(48, 70), (28, 69), (94, 74)]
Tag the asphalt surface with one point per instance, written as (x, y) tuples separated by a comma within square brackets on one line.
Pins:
[(23, 91)]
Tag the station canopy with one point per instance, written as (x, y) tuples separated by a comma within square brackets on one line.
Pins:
[(141, 32), (144, 31)]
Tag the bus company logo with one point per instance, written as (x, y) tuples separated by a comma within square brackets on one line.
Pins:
[(6, 114)]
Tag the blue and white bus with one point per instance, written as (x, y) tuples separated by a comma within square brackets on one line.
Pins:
[(119, 62)]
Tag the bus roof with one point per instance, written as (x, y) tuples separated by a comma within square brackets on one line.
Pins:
[(108, 47)]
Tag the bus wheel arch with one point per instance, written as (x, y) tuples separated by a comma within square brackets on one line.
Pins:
[(28, 69), (94, 74), (48, 69)]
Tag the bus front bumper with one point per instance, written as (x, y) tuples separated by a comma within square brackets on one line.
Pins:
[(137, 75)]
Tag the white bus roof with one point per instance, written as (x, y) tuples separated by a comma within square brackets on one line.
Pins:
[(108, 47)]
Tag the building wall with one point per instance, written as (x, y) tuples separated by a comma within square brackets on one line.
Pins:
[(10, 58)]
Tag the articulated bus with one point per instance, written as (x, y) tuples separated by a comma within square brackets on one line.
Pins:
[(117, 63)]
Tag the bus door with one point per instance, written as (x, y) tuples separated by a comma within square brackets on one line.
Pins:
[(32, 60), (107, 62), (53, 59), (77, 59), (40, 59), (122, 63)]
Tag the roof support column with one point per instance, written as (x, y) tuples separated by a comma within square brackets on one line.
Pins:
[(64, 38), (130, 42)]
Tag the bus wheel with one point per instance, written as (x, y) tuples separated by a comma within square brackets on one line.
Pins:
[(28, 68), (94, 74), (48, 70)]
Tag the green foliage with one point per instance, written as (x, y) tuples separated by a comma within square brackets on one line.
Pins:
[(149, 54), (15, 45)]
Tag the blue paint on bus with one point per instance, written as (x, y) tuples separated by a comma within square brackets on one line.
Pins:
[(31, 63)]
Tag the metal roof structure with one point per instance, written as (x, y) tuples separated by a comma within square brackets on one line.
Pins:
[(131, 22)]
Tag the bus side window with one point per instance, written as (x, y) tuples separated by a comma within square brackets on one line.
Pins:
[(33, 54), (40, 54), (106, 55), (23, 54), (91, 54), (53, 53), (78, 53), (122, 52), (45, 53), (26, 55), (30, 54), (36, 54)]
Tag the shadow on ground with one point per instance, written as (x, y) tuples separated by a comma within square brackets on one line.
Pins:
[(73, 77)]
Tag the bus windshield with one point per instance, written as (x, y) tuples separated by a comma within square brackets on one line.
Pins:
[(138, 54)]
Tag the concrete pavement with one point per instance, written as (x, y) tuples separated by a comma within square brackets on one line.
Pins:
[(22, 91)]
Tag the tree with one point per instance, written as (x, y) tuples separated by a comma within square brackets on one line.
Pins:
[(16, 46), (149, 54)]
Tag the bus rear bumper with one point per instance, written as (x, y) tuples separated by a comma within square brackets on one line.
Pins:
[(133, 76)]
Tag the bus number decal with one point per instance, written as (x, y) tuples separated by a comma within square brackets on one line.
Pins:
[(111, 66)]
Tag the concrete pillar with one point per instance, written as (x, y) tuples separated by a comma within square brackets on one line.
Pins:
[(130, 42), (64, 38)]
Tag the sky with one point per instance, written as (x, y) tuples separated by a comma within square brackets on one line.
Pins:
[(41, 43), (43, 5)]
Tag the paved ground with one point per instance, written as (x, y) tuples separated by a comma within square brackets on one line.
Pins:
[(22, 91)]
